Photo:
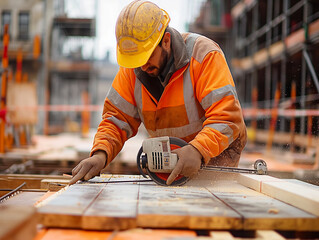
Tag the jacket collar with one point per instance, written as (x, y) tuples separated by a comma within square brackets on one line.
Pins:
[(153, 84)]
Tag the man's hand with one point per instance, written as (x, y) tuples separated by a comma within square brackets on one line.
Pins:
[(189, 162), (89, 167)]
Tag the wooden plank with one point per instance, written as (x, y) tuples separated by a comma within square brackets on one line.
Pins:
[(221, 204), (254, 181), (261, 56), (66, 207), (115, 207), (22, 103), (305, 198), (24, 199), (295, 38), (247, 63), (133, 234), (13, 183), (183, 207), (155, 234), (72, 234), (17, 222), (314, 29), (276, 49), (54, 184), (221, 235), (268, 234), (32, 181), (260, 211)]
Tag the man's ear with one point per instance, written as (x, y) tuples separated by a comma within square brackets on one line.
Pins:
[(166, 42)]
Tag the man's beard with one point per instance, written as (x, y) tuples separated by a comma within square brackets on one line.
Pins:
[(163, 62)]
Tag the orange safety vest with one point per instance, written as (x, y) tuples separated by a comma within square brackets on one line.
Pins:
[(199, 104)]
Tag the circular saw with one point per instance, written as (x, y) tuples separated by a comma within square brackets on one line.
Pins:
[(156, 158)]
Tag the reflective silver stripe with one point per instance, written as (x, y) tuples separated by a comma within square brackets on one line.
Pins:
[(216, 95), (189, 98), (190, 42), (122, 125), (138, 98), (117, 100), (180, 132), (223, 129), (188, 89)]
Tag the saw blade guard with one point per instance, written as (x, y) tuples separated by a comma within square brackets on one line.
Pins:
[(160, 177)]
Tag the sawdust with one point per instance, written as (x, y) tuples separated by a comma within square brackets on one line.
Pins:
[(45, 201), (273, 211)]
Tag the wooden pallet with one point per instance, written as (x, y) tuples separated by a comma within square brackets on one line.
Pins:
[(217, 204)]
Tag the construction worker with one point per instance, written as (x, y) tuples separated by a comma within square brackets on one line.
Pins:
[(176, 84)]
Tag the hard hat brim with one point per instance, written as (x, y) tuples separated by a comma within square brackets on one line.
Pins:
[(134, 60)]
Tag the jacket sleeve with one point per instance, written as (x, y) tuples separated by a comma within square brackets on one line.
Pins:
[(215, 90), (120, 119)]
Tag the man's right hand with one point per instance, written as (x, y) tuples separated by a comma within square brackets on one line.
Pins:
[(89, 167)]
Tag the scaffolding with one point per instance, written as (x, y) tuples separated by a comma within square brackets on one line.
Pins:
[(275, 66)]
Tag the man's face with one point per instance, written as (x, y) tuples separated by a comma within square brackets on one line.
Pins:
[(156, 62)]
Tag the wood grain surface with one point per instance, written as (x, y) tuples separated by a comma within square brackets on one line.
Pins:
[(302, 195), (17, 222), (215, 204)]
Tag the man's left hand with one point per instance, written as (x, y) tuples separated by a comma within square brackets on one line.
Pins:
[(189, 162)]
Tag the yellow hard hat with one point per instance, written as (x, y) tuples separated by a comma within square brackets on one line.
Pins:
[(139, 29)]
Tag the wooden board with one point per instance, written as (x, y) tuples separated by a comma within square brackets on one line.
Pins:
[(54, 184), (305, 197), (22, 99), (204, 203), (17, 222), (259, 211), (133, 234), (68, 205), (183, 207), (24, 199), (115, 207), (32, 181)]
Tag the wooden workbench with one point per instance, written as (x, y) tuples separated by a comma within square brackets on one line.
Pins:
[(211, 202)]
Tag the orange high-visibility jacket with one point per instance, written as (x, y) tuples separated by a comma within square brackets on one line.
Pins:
[(199, 103)]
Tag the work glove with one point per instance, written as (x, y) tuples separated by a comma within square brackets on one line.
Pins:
[(188, 164), (89, 167)]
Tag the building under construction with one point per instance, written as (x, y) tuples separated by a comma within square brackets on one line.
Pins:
[(49, 68), (272, 50), (275, 64)]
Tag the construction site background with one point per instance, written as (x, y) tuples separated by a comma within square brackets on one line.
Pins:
[(53, 86)]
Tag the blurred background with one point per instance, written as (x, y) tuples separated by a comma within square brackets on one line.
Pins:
[(58, 62)]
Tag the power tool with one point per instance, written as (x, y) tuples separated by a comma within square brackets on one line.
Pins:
[(158, 160)]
